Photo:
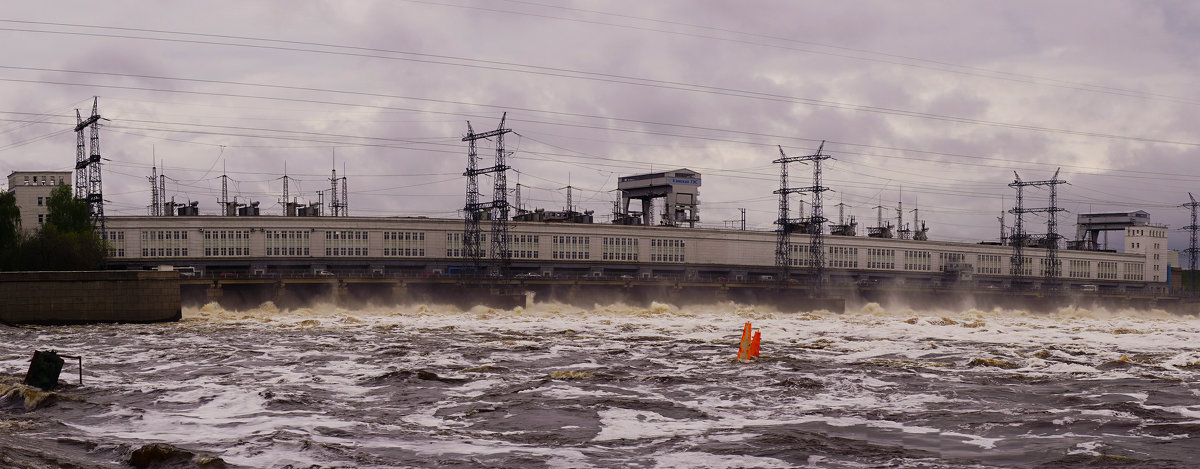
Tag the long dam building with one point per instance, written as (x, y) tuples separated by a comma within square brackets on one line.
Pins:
[(289, 246)]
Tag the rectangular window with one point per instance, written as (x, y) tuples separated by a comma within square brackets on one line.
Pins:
[(619, 249), (951, 261), (1078, 268), (843, 257), (667, 250), (288, 242), (39, 201), (1025, 269), (164, 243), (988, 264), (523, 246), (1106, 270), (116, 243), (455, 248), (227, 243), (404, 243), (798, 255), (571, 247), (1044, 267), (881, 258), (345, 243), (1135, 271), (919, 260)]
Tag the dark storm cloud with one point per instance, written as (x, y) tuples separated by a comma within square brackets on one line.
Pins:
[(730, 81)]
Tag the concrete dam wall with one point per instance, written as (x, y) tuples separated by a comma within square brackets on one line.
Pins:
[(89, 297)]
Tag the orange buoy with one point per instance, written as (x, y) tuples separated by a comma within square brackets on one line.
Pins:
[(754, 343), (744, 347)]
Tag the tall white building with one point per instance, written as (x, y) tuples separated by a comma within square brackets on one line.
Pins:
[(32, 190)]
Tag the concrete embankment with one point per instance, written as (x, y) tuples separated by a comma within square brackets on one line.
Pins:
[(89, 297)]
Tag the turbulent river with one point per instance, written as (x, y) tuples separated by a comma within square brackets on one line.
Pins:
[(612, 386)]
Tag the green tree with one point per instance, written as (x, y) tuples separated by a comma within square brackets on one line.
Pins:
[(66, 241), (66, 212), (10, 229)]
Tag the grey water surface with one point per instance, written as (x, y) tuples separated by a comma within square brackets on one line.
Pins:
[(615, 386)]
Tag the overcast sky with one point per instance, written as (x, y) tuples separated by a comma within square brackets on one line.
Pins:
[(933, 103)]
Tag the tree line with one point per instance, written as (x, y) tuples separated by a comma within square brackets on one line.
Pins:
[(66, 240)]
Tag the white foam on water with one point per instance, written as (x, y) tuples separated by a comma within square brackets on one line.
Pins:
[(976, 440), (1090, 448), (1183, 411), (478, 445), (690, 459), (572, 392), (629, 424), (1075, 343)]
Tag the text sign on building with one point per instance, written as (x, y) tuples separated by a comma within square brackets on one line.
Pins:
[(694, 182)]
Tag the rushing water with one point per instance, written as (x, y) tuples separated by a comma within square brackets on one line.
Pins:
[(616, 386)]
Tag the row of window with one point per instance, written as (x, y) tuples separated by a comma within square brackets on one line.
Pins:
[(346, 243), (45, 181), (843, 257), (990, 264), (227, 243), (523, 246), (571, 247), (287, 242), (219, 243), (667, 250), (920, 260), (164, 243), (116, 243), (881, 258), (1135, 271), (404, 243), (619, 249)]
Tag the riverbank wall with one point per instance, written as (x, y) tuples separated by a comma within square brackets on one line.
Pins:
[(89, 297)]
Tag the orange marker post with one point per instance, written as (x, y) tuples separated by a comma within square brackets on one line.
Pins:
[(754, 343), (744, 347)]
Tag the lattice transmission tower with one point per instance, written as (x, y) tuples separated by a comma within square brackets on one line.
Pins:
[(783, 238), (498, 208), (1193, 249), (155, 205), (87, 167), (814, 224), (1019, 237)]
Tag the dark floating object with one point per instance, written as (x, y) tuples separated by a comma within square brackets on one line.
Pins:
[(45, 367)]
